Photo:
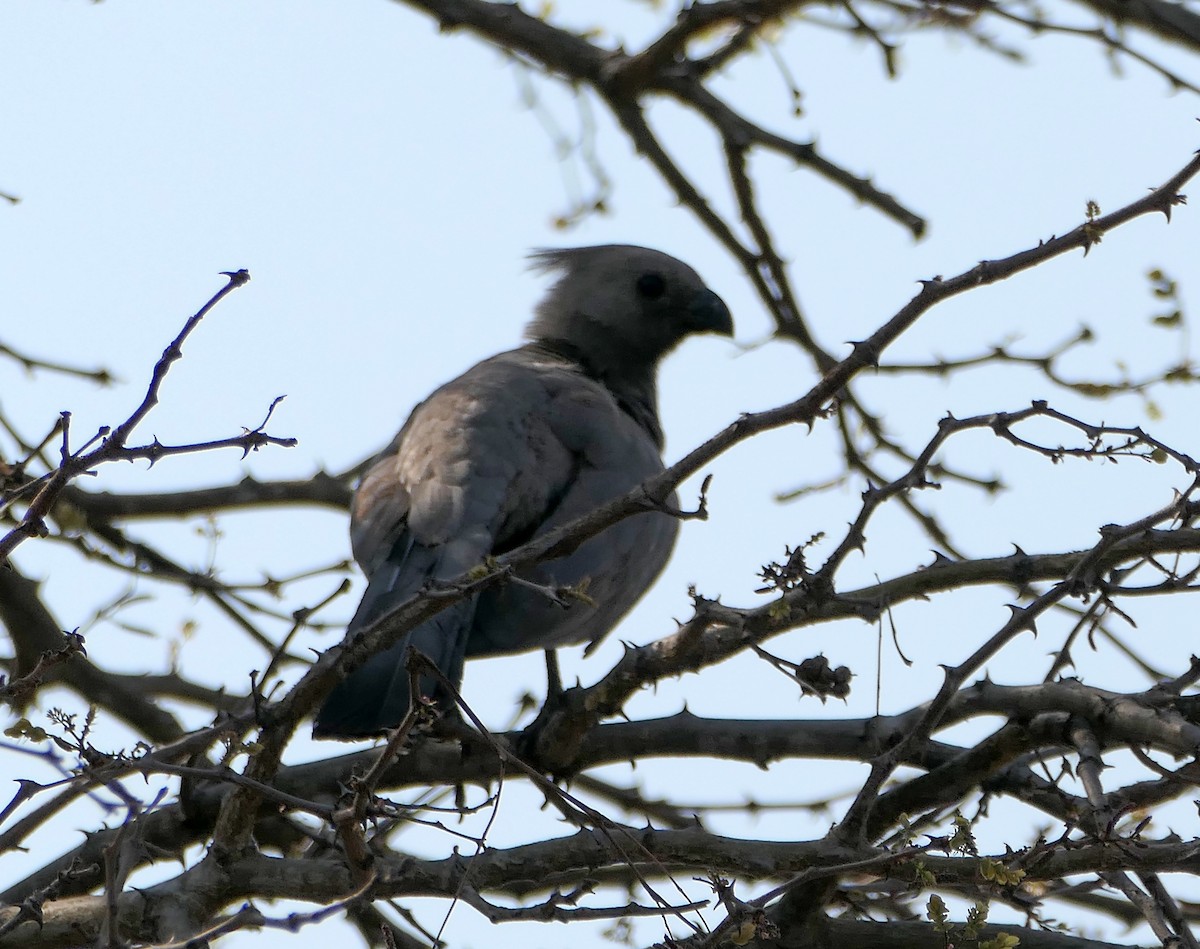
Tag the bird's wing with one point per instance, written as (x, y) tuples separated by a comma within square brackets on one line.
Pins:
[(478, 468)]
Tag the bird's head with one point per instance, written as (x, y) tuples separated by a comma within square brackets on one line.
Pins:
[(624, 306)]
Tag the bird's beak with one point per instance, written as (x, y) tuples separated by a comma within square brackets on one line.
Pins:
[(708, 314)]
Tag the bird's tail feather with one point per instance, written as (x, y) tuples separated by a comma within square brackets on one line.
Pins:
[(375, 696)]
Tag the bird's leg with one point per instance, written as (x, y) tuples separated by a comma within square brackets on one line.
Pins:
[(552, 741), (554, 687)]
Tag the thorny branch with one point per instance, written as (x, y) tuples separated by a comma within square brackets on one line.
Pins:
[(47, 490), (324, 832), (574, 738)]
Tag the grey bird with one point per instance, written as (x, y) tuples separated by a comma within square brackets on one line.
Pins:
[(519, 444)]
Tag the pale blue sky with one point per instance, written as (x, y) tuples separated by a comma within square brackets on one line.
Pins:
[(382, 182)]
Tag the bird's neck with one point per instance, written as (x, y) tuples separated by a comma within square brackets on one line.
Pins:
[(632, 386)]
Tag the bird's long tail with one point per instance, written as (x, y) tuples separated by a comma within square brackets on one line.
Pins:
[(375, 696)]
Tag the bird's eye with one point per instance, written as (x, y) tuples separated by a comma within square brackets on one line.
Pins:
[(651, 285)]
